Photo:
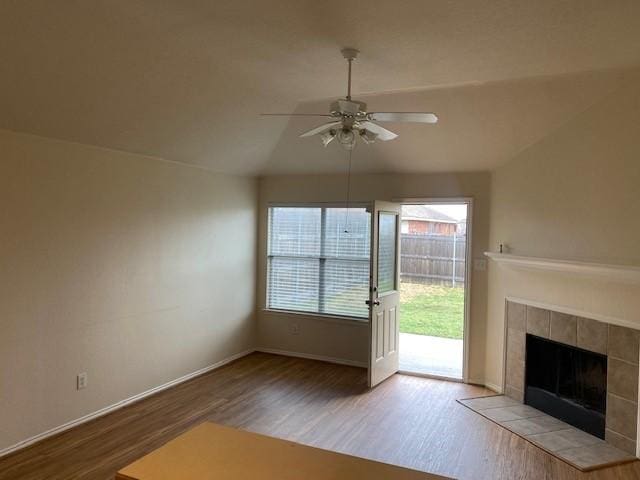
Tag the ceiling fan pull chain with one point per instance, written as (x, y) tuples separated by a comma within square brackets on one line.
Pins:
[(346, 217)]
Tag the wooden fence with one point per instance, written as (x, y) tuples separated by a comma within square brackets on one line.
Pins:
[(434, 259)]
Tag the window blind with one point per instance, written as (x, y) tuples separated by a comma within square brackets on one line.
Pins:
[(313, 265)]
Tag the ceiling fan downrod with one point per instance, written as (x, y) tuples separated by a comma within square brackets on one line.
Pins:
[(350, 54)]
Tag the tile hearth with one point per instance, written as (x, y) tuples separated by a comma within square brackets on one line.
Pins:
[(560, 439)]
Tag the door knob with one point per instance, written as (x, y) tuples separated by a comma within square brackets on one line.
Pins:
[(375, 302)]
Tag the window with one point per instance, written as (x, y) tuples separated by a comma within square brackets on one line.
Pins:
[(314, 265), (387, 225)]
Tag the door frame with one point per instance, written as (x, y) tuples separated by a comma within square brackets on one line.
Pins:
[(467, 272)]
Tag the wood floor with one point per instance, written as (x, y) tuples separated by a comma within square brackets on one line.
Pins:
[(408, 421)]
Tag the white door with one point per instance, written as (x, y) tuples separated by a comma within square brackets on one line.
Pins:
[(384, 325)]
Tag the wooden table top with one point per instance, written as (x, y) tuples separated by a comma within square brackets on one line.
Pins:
[(210, 451)]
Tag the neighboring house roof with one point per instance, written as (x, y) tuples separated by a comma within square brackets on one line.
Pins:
[(426, 214)]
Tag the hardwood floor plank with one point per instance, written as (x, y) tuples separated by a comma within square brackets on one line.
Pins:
[(408, 421)]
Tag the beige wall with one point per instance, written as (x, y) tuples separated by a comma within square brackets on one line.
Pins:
[(348, 340), (135, 270), (573, 195), (139, 271)]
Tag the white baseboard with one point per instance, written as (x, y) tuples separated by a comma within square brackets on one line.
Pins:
[(489, 385), (311, 356), (120, 404), (476, 381), (494, 387), (103, 411)]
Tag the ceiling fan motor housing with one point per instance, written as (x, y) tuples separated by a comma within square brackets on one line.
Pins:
[(348, 107)]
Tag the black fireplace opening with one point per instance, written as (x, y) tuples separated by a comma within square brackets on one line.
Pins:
[(567, 382)]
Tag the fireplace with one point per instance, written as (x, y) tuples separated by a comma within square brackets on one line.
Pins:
[(576, 368), (567, 382)]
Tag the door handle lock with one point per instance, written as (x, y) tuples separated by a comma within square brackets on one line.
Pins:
[(375, 302)]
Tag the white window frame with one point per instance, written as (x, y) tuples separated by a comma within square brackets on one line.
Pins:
[(330, 316)]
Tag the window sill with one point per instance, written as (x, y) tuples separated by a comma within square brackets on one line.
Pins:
[(319, 316)]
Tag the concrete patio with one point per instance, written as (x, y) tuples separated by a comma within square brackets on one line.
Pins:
[(431, 355)]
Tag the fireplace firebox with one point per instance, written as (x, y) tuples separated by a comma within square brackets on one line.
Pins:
[(567, 382)]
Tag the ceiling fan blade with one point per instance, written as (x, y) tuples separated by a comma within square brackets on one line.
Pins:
[(404, 117), (321, 129), (295, 115), (382, 133)]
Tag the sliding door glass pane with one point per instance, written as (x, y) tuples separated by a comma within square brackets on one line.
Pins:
[(387, 252), (293, 284)]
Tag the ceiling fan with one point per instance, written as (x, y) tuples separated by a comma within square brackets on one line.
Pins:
[(350, 119)]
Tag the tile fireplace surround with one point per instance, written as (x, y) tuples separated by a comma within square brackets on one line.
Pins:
[(620, 344)]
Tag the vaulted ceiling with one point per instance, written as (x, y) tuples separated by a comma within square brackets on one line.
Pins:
[(185, 80)]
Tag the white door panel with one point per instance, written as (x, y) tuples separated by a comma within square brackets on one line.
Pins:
[(393, 320), (385, 296), (379, 330)]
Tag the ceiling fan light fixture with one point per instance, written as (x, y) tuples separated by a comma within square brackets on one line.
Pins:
[(350, 118), (347, 138), (367, 136), (328, 137)]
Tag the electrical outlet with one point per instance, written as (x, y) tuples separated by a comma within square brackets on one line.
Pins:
[(82, 380), (294, 328)]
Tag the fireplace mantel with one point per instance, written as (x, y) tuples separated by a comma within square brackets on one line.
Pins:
[(617, 273)]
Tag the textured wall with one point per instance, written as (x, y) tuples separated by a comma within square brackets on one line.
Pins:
[(134, 270), (573, 195)]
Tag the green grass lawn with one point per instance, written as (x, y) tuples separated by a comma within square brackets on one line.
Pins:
[(431, 310)]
